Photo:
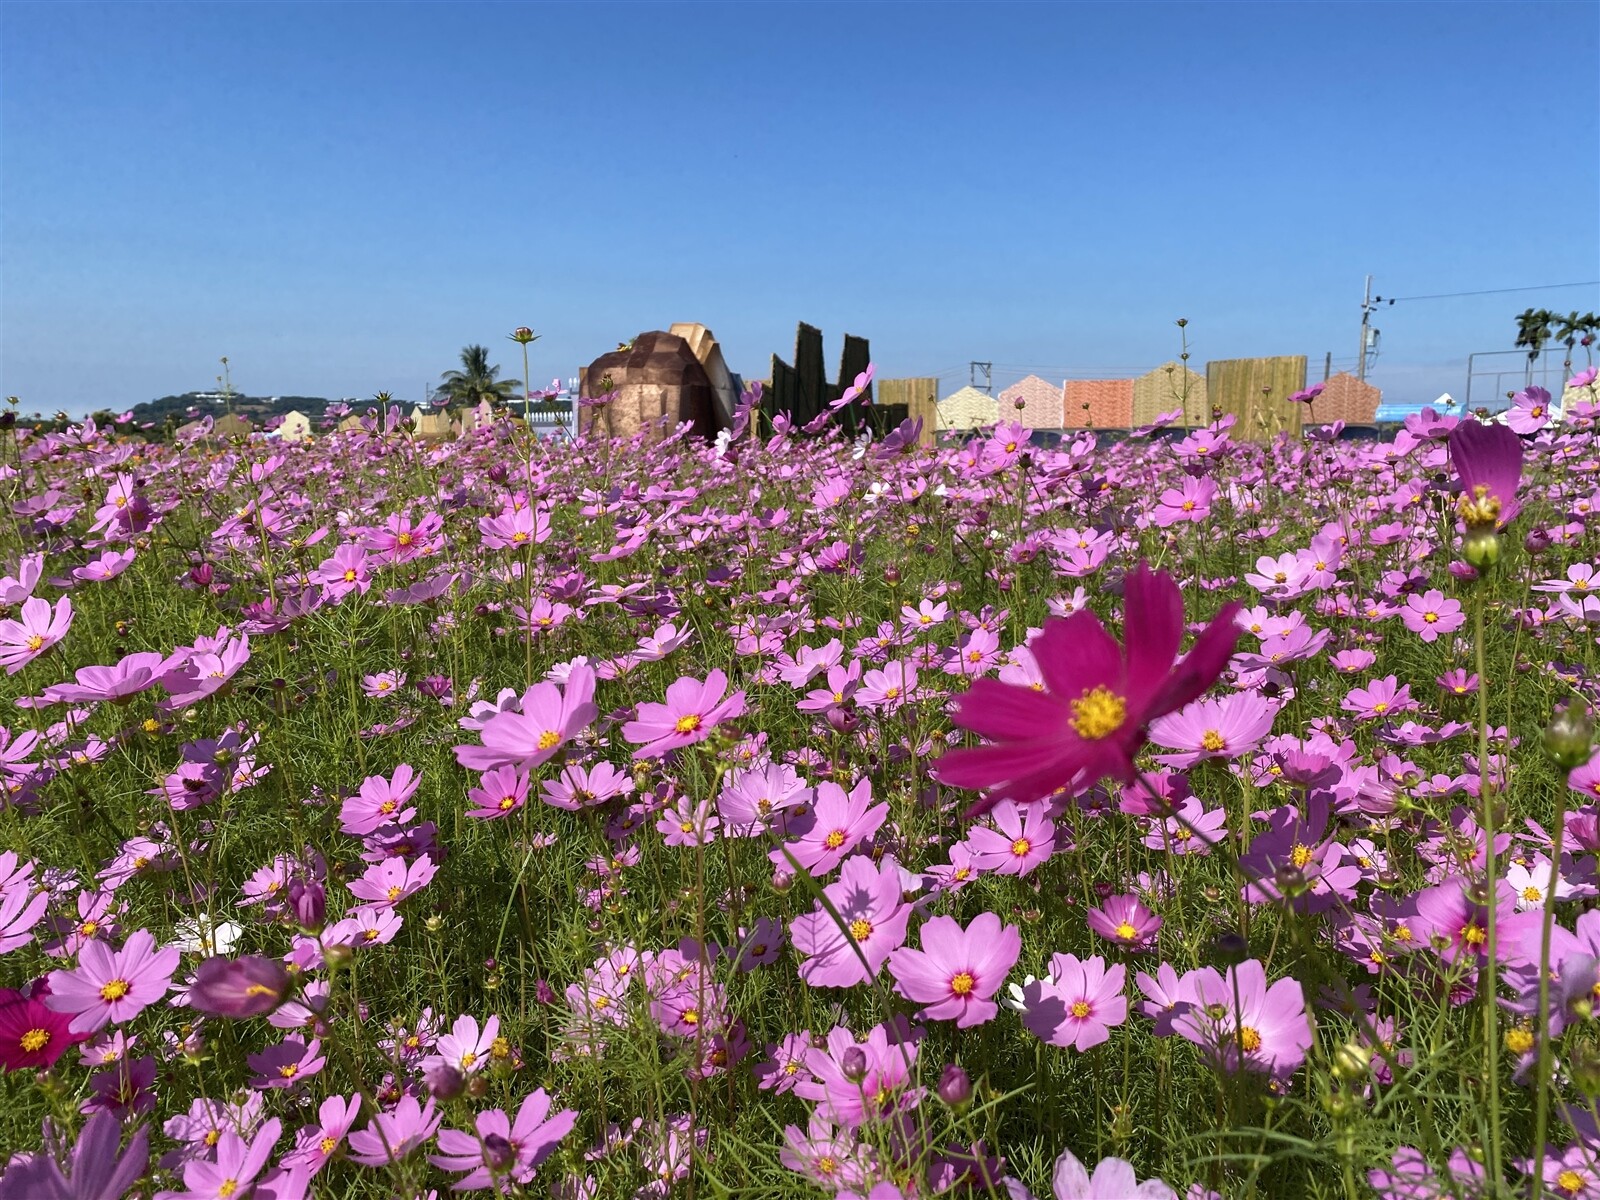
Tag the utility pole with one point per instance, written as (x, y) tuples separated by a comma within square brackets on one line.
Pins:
[(973, 368), (1327, 366), (1366, 323)]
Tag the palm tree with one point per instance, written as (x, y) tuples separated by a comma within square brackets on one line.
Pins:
[(477, 379)]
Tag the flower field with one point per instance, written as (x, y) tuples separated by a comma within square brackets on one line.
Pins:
[(793, 817)]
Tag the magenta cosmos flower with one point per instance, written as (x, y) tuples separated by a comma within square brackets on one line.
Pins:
[(119, 683), (870, 901), (393, 1136), (1125, 921), (693, 709), (1488, 461), (31, 1034), (545, 719), (1098, 699), (1022, 839), (39, 628), (111, 986), (957, 971), (502, 1147)]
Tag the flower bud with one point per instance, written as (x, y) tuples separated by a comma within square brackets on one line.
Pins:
[(309, 903), (445, 1082), (854, 1064), (498, 1152), (1232, 948), (1536, 541), (1583, 1065), (522, 335), (337, 956), (477, 1087), (782, 880), (498, 473), (202, 575), (1569, 737), (1351, 1062), (1481, 548), (955, 1087)]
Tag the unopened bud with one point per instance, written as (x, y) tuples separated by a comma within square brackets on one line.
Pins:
[(1481, 548), (1351, 1062), (1232, 948), (498, 1152), (854, 1064), (1569, 737), (445, 1082), (955, 1087)]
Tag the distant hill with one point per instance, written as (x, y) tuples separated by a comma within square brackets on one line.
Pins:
[(255, 409)]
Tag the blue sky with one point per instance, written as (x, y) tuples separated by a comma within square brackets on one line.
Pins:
[(339, 197)]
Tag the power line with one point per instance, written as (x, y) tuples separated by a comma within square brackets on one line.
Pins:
[(1543, 287)]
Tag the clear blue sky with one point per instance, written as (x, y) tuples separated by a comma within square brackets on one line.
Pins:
[(339, 197)]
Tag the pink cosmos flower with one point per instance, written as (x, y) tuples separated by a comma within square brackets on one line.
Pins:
[(856, 1082), (1226, 727), (1227, 1015), (1432, 614), (1529, 411), (1191, 502), (1125, 921), (1091, 719), (393, 1136), (543, 720), (466, 1048), (15, 589), (869, 899), (501, 1149), (238, 987), (957, 971), (119, 683), (841, 823), (1022, 838), (692, 710), (364, 926), (1381, 698), (112, 986), (585, 787), (499, 793), (96, 1171), (380, 802), (1113, 1179), (384, 684), (317, 1143), (514, 527), (1077, 1004), (288, 1064), (21, 908), (391, 881), (39, 628)]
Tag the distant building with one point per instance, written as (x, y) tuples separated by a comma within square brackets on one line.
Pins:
[(967, 409), (1345, 398), (295, 427), (1170, 387), (1041, 403), (1098, 404)]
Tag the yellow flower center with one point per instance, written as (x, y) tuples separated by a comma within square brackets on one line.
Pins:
[(115, 990), (34, 1039), (213, 1136), (1430, 617), (394, 893), (468, 1059), (1212, 741), (860, 929), (1098, 713), (1081, 1009), (1300, 855), (327, 1144), (1249, 1040), (548, 739), (1569, 1181), (1382, 706), (519, 536), (688, 724), (1127, 932), (89, 928), (834, 840), (1532, 894), (350, 575), (1020, 847), (691, 1016), (35, 641), (227, 1188), (1472, 935), (1519, 1041), (962, 984), (290, 1070), (507, 804), (404, 539), (500, 1048), (1188, 506)]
